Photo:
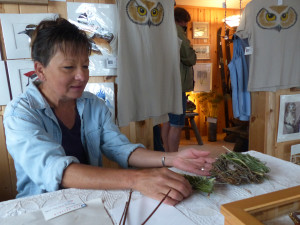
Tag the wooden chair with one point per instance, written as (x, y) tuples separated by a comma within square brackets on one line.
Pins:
[(191, 125)]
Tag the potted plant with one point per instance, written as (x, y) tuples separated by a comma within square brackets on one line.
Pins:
[(210, 103)]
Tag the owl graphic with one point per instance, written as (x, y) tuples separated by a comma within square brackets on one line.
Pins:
[(277, 17), (144, 12)]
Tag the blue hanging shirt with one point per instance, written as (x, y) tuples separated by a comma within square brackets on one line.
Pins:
[(239, 73)]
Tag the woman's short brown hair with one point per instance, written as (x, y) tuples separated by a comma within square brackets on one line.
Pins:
[(57, 34)]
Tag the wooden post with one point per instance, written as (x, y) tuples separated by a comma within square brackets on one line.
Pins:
[(7, 170), (263, 128)]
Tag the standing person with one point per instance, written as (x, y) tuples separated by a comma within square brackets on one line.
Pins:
[(171, 130), (57, 133)]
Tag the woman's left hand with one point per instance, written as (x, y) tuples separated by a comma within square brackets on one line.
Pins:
[(194, 161)]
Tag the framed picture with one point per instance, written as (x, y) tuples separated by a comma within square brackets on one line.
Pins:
[(100, 23), (106, 92), (41, 2), (289, 118), (16, 70), (203, 77), (270, 208), (4, 90), (200, 30), (17, 30), (202, 51)]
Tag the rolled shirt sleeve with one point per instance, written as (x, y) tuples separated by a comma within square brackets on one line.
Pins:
[(103, 135)]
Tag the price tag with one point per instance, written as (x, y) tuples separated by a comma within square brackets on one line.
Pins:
[(62, 207), (248, 51), (111, 62)]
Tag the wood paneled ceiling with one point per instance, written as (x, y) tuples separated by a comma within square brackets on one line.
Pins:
[(233, 4)]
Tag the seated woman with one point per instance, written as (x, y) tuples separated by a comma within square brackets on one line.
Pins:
[(57, 133)]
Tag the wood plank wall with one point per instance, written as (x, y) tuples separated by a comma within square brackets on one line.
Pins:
[(7, 170), (214, 17), (265, 105)]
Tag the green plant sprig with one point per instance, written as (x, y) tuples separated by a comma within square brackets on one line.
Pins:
[(200, 183), (254, 164)]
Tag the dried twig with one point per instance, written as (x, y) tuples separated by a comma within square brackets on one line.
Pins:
[(125, 212), (156, 207)]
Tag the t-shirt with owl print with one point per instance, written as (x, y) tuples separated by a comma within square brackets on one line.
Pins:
[(149, 83), (273, 32)]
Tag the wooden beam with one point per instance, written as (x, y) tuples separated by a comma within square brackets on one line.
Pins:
[(37, 2)]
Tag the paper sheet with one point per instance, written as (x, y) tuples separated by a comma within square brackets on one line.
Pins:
[(93, 214), (141, 208)]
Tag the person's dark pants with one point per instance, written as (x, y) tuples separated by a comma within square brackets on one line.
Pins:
[(158, 144)]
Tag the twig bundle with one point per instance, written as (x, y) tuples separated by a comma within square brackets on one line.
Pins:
[(231, 168), (237, 168)]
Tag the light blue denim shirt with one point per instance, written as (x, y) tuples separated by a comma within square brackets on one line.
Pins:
[(33, 138)]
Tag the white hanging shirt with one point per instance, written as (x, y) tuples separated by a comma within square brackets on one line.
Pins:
[(273, 31), (149, 83)]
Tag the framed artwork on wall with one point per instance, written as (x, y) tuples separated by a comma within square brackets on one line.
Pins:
[(41, 2), (4, 90), (106, 92), (289, 118), (100, 23), (16, 70), (200, 30), (17, 30), (203, 77), (202, 51)]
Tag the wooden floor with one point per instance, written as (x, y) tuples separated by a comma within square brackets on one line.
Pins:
[(216, 148)]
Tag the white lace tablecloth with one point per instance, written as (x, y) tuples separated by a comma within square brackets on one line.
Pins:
[(200, 208)]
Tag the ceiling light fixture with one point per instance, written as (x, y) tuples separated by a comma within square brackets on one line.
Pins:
[(231, 21)]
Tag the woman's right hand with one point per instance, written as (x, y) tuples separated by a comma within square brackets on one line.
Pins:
[(155, 183)]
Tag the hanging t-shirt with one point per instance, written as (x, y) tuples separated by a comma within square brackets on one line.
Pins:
[(273, 31), (149, 83)]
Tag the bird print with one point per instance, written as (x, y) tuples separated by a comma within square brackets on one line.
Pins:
[(29, 29), (277, 17), (101, 94), (31, 76), (145, 12), (291, 122), (99, 31), (99, 36), (100, 39)]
